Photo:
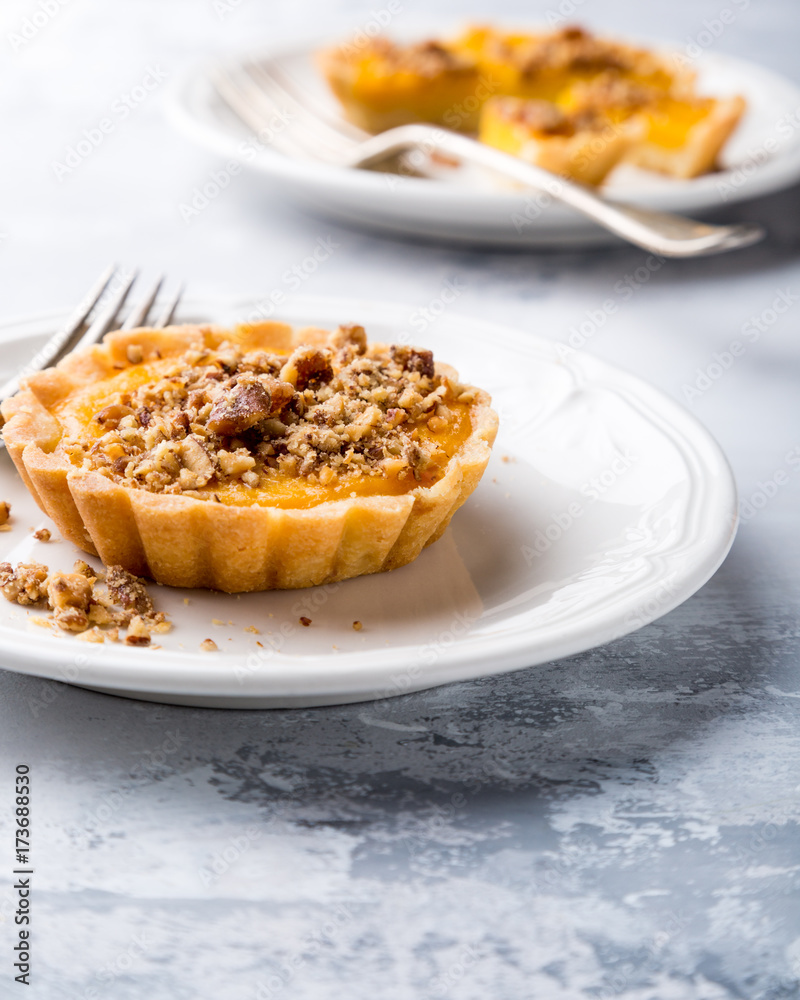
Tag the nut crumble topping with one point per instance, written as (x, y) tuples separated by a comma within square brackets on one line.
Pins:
[(611, 91), (218, 416), (547, 118), (571, 49), (428, 59), (25, 585), (82, 602)]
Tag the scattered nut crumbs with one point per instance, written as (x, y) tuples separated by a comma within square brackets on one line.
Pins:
[(208, 646), (42, 535), (83, 601), (92, 634), (357, 626), (253, 629), (138, 632), (305, 622), (217, 621)]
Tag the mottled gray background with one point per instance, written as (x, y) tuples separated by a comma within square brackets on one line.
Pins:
[(622, 823)]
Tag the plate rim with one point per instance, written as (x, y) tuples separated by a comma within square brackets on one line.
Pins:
[(306, 679)]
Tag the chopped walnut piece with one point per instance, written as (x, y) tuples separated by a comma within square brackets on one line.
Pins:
[(111, 415), (208, 646), (307, 367), (180, 424), (69, 590), (246, 400), (99, 614), (92, 635), (236, 462), (351, 335), (197, 465), (129, 591), (27, 584), (414, 361), (82, 567), (70, 595), (5, 510), (71, 619), (138, 632), (42, 535)]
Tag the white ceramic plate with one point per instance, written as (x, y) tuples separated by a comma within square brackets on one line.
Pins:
[(604, 506), (762, 156)]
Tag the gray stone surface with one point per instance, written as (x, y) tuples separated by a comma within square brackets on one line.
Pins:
[(622, 823)]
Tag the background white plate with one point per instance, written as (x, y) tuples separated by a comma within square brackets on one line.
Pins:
[(762, 156), (604, 506)]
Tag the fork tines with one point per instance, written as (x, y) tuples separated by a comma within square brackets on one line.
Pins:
[(98, 312)]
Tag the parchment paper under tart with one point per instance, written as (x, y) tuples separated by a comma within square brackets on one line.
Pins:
[(183, 541)]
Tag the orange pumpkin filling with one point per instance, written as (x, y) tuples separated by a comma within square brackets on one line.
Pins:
[(278, 429)]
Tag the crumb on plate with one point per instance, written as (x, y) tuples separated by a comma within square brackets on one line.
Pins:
[(83, 601)]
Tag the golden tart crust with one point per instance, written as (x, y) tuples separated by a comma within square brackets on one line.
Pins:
[(173, 528)]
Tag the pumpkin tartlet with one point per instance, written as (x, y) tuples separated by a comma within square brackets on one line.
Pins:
[(680, 134), (581, 145), (249, 459), (382, 84), (567, 100)]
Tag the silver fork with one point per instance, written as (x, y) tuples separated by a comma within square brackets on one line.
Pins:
[(82, 329), (256, 93)]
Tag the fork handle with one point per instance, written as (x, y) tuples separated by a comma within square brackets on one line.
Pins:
[(659, 232)]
